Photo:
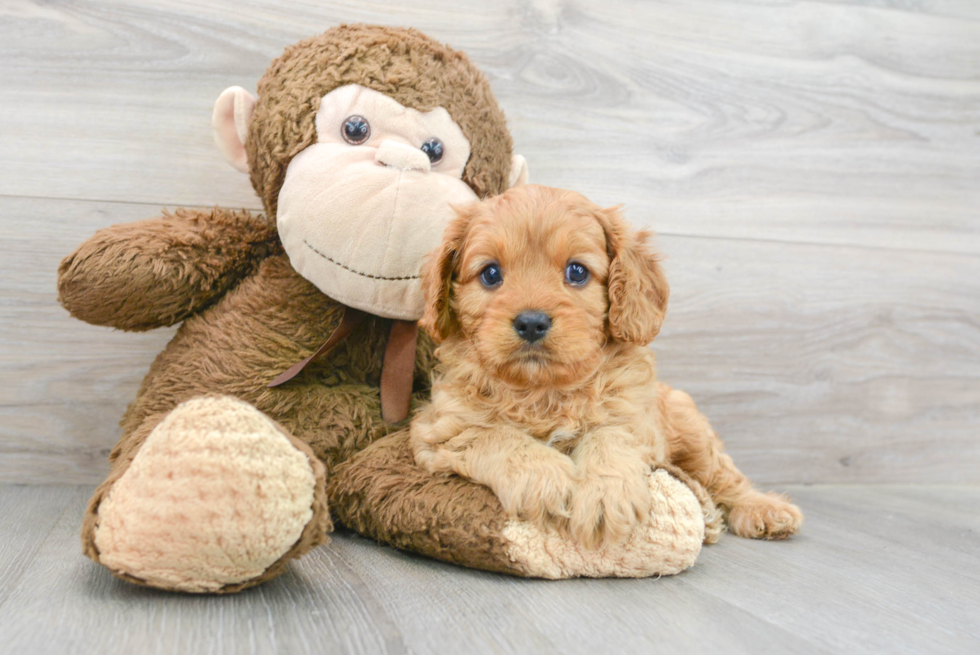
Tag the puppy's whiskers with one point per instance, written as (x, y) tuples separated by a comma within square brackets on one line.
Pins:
[(533, 353)]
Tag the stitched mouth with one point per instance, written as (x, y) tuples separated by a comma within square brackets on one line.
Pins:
[(355, 271)]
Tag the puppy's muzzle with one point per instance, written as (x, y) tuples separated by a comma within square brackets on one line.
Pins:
[(532, 326)]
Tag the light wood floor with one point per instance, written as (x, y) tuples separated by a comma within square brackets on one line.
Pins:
[(812, 169), (877, 569)]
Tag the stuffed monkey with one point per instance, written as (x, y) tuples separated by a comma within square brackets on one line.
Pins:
[(297, 346)]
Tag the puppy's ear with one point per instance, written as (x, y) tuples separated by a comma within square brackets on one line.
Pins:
[(637, 288), (438, 270)]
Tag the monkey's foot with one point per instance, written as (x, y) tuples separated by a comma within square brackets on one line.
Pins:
[(216, 499)]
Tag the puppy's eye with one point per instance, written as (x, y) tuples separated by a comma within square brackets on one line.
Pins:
[(490, 276), (433, 150), (576, 274), (355, 130)]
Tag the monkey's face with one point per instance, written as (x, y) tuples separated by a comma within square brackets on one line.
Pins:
[(360, 207)]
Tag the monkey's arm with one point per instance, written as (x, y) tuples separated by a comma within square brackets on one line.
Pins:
[(139, 276)]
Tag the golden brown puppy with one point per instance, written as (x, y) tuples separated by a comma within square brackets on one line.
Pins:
[(544, 304)]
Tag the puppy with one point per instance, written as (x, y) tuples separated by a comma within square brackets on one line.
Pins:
[(544, 304)]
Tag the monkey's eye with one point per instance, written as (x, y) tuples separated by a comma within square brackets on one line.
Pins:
[(576, 274), (355, 130), (433, 148), (490, 276)]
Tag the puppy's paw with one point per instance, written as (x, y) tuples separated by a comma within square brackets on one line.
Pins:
[(606, 508), (764, 516), (436, 460), (540, 493)]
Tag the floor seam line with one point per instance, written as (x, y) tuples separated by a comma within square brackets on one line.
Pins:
[(41, 543)]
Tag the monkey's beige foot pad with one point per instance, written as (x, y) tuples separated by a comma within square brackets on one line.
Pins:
[(666, 544), (216, 496), (381, 493)]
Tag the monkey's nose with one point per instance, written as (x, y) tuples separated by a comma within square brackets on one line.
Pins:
[(401, 156), (532, 326)]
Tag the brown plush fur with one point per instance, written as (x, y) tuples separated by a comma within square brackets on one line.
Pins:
[(247, 314), (189, 259), (564, 430), (405, 64), (382, 493)]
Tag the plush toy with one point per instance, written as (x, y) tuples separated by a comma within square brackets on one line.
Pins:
[(298, 357)]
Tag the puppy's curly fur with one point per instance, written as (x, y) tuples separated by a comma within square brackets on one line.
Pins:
[(564, 428)]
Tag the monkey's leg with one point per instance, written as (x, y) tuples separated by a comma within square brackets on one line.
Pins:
[(696, 449), (335, 421), (212, 496)]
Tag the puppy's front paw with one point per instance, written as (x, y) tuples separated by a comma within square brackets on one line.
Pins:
[(541, 493), (764, 516), (606, 508)]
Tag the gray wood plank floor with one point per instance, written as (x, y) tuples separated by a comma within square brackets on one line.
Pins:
[(877, 569), (812, 170)]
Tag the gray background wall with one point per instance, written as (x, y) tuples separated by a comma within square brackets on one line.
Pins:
[(812, 170)]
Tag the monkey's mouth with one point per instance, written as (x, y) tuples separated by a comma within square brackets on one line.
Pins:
[(392, 278), (364, 246)]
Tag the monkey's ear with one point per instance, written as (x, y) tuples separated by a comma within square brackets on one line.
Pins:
[(518, 171), (438, 271), (637, 287), (232, 113)]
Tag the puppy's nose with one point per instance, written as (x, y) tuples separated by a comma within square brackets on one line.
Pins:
[(532, 326)]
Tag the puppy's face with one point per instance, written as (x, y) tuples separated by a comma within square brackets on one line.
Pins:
[(530, 291), (534, 281)]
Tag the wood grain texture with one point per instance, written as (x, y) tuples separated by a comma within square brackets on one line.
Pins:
[(29, 514), (871, 571), (876, 569), (812, 363), (831, 122), (66, 383), (812, 169), (820, 363)]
